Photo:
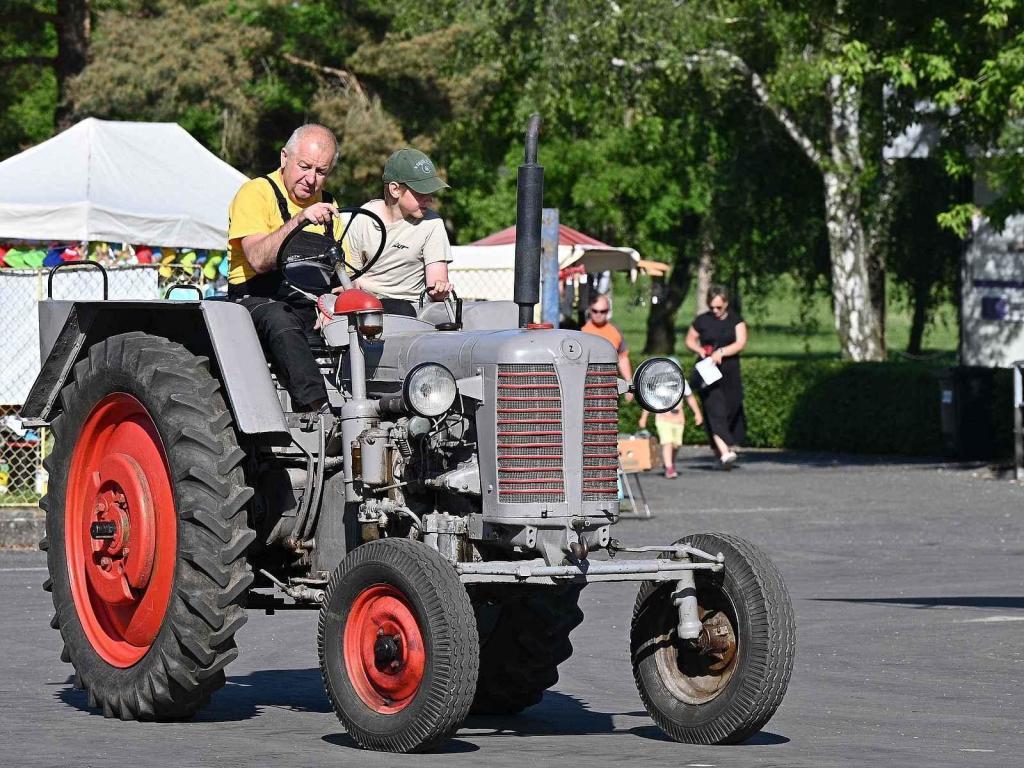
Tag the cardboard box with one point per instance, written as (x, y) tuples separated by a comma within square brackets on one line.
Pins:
[(638, 454)]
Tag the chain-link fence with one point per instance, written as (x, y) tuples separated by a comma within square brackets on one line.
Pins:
[(22, 449)]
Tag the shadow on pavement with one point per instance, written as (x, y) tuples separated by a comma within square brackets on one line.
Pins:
[(697, 458), (933, 602), (244, 696), (557, 714), (450, 747), (759, 739)]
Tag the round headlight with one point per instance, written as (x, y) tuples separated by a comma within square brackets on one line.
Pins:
[(430, 390), (658, 385)]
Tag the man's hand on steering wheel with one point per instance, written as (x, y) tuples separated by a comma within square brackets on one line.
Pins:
[(318, 213), (440, 290)]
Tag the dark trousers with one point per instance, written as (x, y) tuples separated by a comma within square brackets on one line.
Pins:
[(398, 307), (285, 329)]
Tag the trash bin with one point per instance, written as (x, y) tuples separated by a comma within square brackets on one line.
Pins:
[(966, 413)]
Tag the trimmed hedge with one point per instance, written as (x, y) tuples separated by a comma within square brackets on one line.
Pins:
[(853, 407)]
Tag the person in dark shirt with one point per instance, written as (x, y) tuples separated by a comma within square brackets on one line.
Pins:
[(721, 334)]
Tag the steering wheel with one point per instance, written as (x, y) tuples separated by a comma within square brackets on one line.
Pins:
[(311, 259)]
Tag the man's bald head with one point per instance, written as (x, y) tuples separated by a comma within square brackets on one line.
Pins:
[(314, 133), (307, 157)]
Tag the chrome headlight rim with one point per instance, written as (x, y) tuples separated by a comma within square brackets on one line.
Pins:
[(647, 368), (415, 403)]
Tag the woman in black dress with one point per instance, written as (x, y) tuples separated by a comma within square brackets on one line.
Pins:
[(721, 335)]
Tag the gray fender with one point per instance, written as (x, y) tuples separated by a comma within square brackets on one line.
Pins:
[(220, 330)]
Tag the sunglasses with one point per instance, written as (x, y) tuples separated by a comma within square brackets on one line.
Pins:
[(717, 306), (599, 311)]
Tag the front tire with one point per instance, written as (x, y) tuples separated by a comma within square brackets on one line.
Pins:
[(727, 690), (398, 646), (145, 529)]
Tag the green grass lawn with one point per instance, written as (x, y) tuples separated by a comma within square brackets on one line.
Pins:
[(777, 329)]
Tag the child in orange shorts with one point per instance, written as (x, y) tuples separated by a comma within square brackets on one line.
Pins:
[(671, 426)]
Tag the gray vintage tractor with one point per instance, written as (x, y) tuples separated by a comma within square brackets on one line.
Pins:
[(443, 514)]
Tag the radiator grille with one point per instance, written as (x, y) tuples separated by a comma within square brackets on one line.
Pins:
[(600, 433), (529, 418)]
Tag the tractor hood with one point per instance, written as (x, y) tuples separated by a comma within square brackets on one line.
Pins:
[(465, 353)]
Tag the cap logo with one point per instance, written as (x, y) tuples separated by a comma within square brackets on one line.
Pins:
[(424, 167)]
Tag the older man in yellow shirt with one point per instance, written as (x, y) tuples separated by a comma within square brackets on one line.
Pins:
[(262, 213)]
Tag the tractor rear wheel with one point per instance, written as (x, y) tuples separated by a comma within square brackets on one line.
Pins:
[(724, 687), (145, 529), (398, 646), (524, 636)]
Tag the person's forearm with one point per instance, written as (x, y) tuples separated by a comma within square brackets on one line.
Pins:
[(624, 367), (730, 350), (261, 250), (694, 346)]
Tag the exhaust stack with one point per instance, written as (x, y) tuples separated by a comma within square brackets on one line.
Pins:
[(529, 201)]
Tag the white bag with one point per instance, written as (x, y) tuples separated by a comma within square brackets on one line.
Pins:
[(709, 372)]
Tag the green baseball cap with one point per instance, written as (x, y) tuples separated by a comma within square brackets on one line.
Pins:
[(414, 169)]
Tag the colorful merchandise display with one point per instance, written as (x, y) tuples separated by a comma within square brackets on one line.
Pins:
[(205, 268)]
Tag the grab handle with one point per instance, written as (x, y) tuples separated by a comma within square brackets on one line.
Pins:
[(82, 262)]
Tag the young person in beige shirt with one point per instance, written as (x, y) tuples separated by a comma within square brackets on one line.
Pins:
[(416, 252)]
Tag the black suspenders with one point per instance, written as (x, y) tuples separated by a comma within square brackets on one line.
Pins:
[(282, 204)]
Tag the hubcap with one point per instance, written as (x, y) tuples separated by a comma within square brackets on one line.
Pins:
[(384, 653), (120, 529), (697, 671)]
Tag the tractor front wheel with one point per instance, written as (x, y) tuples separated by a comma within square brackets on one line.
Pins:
[(398, 646), (723, 687), (145, 529)]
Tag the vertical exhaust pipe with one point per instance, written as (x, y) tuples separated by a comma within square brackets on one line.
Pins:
[(529, 201)]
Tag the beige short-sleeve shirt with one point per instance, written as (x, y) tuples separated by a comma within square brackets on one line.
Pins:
[(399, 273)]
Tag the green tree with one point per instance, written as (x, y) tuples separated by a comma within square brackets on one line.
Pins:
[(44, 45), (203, 81)]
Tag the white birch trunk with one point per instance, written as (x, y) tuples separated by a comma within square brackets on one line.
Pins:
[(860, 337)]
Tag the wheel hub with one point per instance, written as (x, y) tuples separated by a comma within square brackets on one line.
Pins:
[(120, 529), (384, 652), (717, 640), (697, 671), (387, 651)]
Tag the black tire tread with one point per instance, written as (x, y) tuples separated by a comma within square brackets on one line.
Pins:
[(767, 677), (453, 683), (185, 665), (519, 658)]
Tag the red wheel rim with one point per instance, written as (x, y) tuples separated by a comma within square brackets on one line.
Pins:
[(384, 653), (120, 529)]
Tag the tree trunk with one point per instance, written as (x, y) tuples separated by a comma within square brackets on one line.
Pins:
[(879, 239), (705, 270), (856, 324), (876, 279), (860, 337), (661, 321), (922, 304), (73, 33)]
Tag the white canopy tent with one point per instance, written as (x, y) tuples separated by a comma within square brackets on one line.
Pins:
[(119, 182)]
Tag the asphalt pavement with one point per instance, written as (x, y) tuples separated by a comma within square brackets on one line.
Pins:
[(908, 584)]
